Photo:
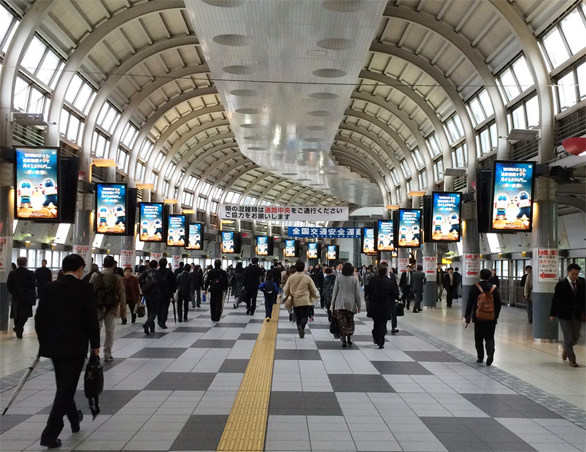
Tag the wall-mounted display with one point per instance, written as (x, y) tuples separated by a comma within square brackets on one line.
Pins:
[(313, 250), (446, 217), (37, 181), (368, 244), (512, 196), (332, 252), (228, 242), (111, 205), (264, 245), (409, 228), (151, 224), (385, 235), (176, 227), (195, 237), (291, 248)]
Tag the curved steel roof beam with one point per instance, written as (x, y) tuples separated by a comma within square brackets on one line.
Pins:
[(267, 190), (341, 155), (234, 179)]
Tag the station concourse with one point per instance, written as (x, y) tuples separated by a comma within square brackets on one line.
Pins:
[(437, 133)]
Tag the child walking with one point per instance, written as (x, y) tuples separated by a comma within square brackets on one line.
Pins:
[(270, 290)]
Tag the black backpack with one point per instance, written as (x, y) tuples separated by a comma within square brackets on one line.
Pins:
[(105, 290), (216, 284), (270, 288)]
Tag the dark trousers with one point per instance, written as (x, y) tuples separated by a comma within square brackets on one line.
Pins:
[(418, 299), (484, 332), (152, 313), (269, 302), (182, 306), (197, 298), (450, 292), (301, 315), (250, 299), (407, 296), (216, 305), (67, 372), (571, 331), (164, 311), (394, 316), (529, 303), (379, 330)]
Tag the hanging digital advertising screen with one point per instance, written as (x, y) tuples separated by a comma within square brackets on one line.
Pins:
[(446, 217), (332, 252), (512, 196), (151, 222), (313, 250), (291, 248), (368, 244), (111, 204), (194, 237), (385, 235), (264, 245), (409, 228), (36, 194), (176, 227), (228, 242)]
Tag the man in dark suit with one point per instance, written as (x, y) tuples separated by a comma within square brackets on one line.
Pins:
[(167, 291), (483, 329), (66, 323), (450, 284), (43, 276), (419, 280), (405, 284), (569, 306), (21, 286), (458, 283), (252, 276)]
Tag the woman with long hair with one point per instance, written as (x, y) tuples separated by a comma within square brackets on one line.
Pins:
[(237, 284), (346, 302)]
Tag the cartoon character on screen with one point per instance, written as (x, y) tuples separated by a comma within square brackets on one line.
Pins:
[(501, 204), (158, 224), (103, 217), (228, 246), (368, 245), (332, 254), (403, 234), (416, 234), (455, 225), (181, 234), (196, 241), (25, 191), (437, 225), (290, 250), (263, 248), (312, 254), (120, 213), (50, 192), (171, 236), (524, 204), (144, 228)]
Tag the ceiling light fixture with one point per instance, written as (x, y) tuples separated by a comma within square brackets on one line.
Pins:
[(413, 193), (145, 186), (170, 201)]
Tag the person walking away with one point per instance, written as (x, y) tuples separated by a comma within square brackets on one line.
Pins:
[(66, 323), (450, 286), (132, 291), (216, 284), (483, 307), (494, 279), (168, 289), (183, 293), (21, 286), (252, 276), (569, 306), (528, 292), (419, 280), (152, 284), (382, 294), (405, 283), (93, 269), (328, 291), (319, 284), (346, 302), (290, 309), (179, 270), (197, 285), (270, 289), (302, 289), (43, 276), (458, 283), (111, 300), (440, 274), (238, 284), (366, 278)]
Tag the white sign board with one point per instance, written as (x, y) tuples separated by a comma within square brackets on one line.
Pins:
[(429, 265), (472, 265), (403, 262), (547, 266), (283, 213), (156, 256), (127, 258), (85, 251), (3, 254), (175, 259)]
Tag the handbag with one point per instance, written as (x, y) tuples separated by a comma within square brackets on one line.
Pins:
[(93, 383), (140, 309), (400, 309), (334, 329), (289, 302)]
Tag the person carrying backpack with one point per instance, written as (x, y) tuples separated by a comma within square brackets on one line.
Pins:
[(484, 307), (270, 290), (184, 289), (216, 284), (151, 282), (111, 301)]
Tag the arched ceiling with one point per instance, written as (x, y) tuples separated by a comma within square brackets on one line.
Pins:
[(207, 92)]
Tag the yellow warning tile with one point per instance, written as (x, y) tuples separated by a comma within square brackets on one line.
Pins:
[(245, 430)]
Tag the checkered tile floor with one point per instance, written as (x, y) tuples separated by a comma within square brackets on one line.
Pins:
[(173, 391)]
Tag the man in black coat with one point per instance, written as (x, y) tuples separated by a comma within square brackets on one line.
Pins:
[(450, 284), (66, 323), (216, 284), (569, 306), (382, 293), (483, 329), (21, 286), (43, 276), (152, 284), (168, 289), (405, 284), (252, 276)]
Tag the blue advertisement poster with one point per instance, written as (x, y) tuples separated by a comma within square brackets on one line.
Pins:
[(228, 242), (512, 195), (37, 180), (110, 208), (194, 241), (332, 253), (262, 245), (385, 236), (151, 222), (290, 248), (368, 241), (176, 227), (409, 228), (312, 251), (446, 217)]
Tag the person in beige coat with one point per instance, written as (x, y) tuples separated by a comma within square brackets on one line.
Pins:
[(346, 302), (302, 289)]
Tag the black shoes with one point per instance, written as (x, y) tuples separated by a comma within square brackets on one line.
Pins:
[(146, 330), (301, 332), (51, 444), (163, 327), (133, 318), (394, 331), (349, 340), (75, 426), (124, 321), (480, 360), (344, 342), (380, 347), (489, 360)]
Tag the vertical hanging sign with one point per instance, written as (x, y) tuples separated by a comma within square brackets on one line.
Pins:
[(127, 259), (429, 264), (472, 265), (3, 254), (547, 268)]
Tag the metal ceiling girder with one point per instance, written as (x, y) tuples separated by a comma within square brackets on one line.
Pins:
[(341, 154), (234, 179), (236, 156), (271, 186), (571, 201)]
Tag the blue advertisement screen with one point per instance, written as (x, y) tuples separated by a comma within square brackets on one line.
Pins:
[(386, 236), (151, 222), (176, 227), (512, 208), (332, 253), (409, 228), (445, 217), (194, 241), (262, 245), (37, 180), (228, 242), (290, 250), (368, 241), (312, 250), (110, 208)]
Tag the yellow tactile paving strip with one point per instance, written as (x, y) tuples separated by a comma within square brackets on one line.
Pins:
[(246, 427)]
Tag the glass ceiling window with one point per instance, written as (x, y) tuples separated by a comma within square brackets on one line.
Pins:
[(567, 38), (140, 168), (80, 94), (438, 169), (417, 157), (191, 182), (205, 189), (516, 79), (219, 192), (170, 170), (454, 128), (480, 107), (486, 140), (433, 145), (100, 145), (146, 150), (460, 156), (40, 61), (395, 177), (71, 127), (108, 118), (7, 25), (405, 168), (129, 135), (159, 160), (422, 180)]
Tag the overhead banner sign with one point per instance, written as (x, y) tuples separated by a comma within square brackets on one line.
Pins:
[(283, 213), (512, 196), (37, 181), (325, 233), (111, 208), (446, 217)]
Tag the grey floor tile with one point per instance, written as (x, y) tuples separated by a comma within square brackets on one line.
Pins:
[(304, 404), (328, 345), (433, 357), (141, 335), (510, 405), (214, 343), (234, 366), (154, 352), (201, 432), (181, 381), (248, 337), (297, 355), (192, 329), (359, 383), (400, 368), (12, 420)]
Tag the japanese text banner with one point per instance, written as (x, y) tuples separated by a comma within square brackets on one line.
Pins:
[(283, 213), (325, 233)]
